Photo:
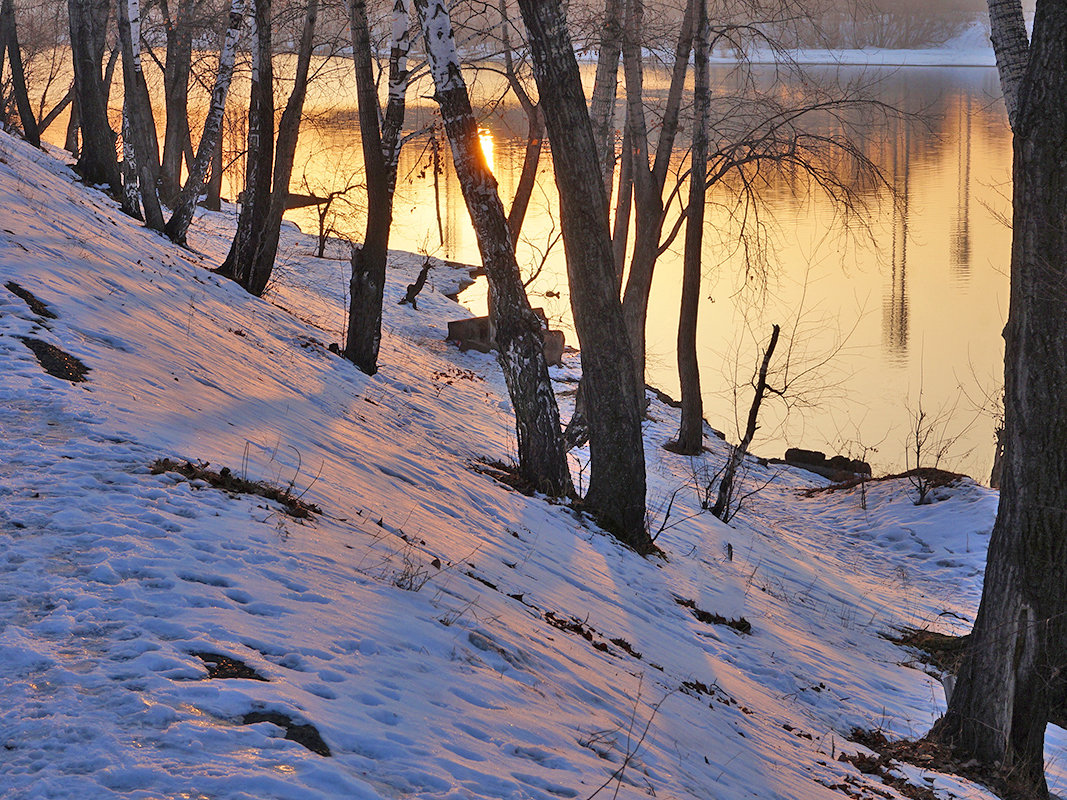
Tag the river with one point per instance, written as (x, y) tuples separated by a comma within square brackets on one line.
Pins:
[(900, 312)]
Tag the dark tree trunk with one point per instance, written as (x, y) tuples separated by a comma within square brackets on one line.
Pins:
[(70, 141), (691, 429), (176, 72), (605, 89), (648, 179), (1018, 655), (518, 337), (617, 480), (260, 156), (213, 202), (210, 146), (58, 109), (18, 76), (284, 156), (138, 105), (381, 152), (97, 163)]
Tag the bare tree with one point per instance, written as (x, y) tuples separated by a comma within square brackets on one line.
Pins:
[(211, 138), (519, 341), (691, 428), (381, 152), (9, 40), (1013, 672), (240, 261), (138, 121), (88, 32), (617, 481)]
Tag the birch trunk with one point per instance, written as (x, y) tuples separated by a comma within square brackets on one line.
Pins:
[(381, 153), (139, 107), (211, 138), (691, 429), (616, 494), (1011, 48), (260, 155), (518, 337), (1015, 667), (605, 90)]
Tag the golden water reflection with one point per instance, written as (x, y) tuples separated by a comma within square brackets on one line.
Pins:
[(914, 302)]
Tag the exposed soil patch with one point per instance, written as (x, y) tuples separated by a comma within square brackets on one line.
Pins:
[(740, 624), (224, 479), (301, 733), (937, 649), (37, 306), (507, 474), (56, 362), (219, 666)]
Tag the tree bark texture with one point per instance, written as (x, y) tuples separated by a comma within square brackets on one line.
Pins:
[(1016, 664), (138, 105), (616, 494), (605, 90), (691, 429), (209, 149), (10, 39), (1011, 48), (519, 340), (176, 70), (240, 260), (648, 179), (381, 154), (97, 162), (269, 234)]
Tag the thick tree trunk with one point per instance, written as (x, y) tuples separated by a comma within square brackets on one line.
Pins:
[(209, 150), (268, 236), (260, 155), (519, 341), (177, 68), (381, 154), (617, 481), (535, 132), (1016, 663), (139, 113), (30, 130), (97, 162), (691, 430)]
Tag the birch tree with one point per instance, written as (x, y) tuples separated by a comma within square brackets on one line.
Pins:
[(1013, 673), (381, 152), (518, 337), (138, 113), (240, 260), (185, 204)]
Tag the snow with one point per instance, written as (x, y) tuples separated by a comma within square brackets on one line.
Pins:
[(968, 48), (409, 621)]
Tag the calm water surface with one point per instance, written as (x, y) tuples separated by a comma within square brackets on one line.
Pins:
[(903, 312)]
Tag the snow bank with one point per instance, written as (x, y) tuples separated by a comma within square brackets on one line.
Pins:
[(447, 637)]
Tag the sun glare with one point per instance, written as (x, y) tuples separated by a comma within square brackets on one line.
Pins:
[(485, 138)]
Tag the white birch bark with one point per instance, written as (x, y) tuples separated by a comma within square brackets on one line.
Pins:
[(185, 205), (1007, 32)]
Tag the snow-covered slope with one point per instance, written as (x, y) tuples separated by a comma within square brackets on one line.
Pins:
[(446, 636)]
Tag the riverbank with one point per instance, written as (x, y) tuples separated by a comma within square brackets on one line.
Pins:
[(423, 630)]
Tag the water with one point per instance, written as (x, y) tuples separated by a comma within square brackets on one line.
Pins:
[(900, 314)]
